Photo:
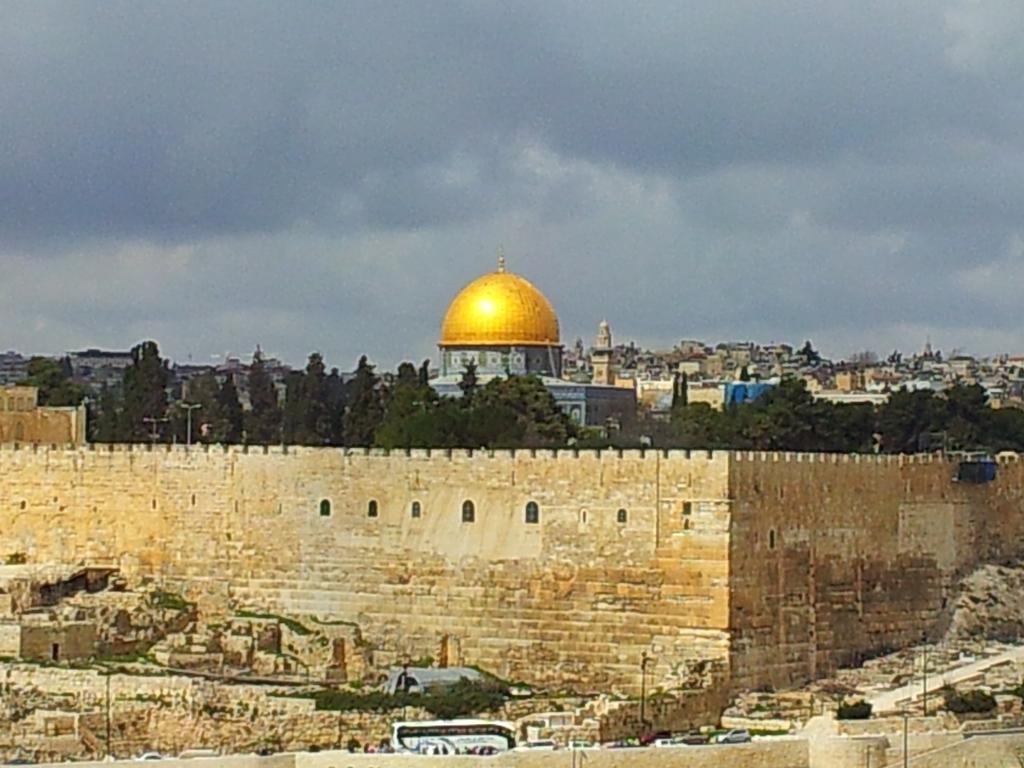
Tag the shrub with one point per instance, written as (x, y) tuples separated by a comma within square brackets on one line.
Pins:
[(968, 702), (857, 710), (464, 697), (169, 601), (17, 558)]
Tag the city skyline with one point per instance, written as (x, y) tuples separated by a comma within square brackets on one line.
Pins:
[(216, 176)]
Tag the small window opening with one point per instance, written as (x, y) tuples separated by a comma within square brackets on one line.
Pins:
[(621, 516), (417, 510), (583, 516), (687, 507), (193, 499), (154, 503), (468, 511), (325, 508), (532, 512), (771, 539), (371, 508), (55, 652)]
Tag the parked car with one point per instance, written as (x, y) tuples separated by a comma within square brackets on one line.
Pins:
[(735, 736), (579, 744), (675, 741), (694, 738), (145, 756), (649, 738)]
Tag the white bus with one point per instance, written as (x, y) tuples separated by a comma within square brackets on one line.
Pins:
[(453, 737)]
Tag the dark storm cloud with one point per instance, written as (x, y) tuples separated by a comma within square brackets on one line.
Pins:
[(763, 170)]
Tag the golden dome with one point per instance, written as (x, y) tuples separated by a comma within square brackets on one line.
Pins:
[(500, 309)]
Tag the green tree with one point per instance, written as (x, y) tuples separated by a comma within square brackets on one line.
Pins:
[(145, 392), (53, 379), (407, 376), (907, 421), (967, 416), (263, 421), (424, 374), (517, 411), (334, 391), (105, 417), (415, 418), (314, 428), (365, 411), (698, 425), (229, 424), (294, 407), (680, 391), (469, 383)]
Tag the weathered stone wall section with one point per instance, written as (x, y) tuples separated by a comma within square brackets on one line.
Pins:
[(43, 425), (836, 557), (780, 566), (575, 598)]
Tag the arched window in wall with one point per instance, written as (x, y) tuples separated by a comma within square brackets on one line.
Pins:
[(621, 516), (417, 509), (371, 508), (468, 511), (532, 512), (325, 508), (771, 539)]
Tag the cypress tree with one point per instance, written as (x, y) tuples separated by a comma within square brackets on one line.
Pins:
[(145, 392), (263, 421), (365, 410), (229, 413)]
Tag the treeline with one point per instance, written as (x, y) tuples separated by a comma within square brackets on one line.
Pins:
[(401, 410), (788, 418), (397, 410)]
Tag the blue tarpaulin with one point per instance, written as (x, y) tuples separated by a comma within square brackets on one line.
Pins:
[(738, 392)]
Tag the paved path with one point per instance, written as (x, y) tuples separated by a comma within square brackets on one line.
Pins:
[(888, 700)]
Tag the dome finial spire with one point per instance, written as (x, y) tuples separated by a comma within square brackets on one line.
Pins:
[(501, 259)]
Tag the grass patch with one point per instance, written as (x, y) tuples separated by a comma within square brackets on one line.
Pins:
[(295, 626), (169, 601)]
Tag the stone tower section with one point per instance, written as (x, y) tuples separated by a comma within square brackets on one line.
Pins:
[(601, 356)]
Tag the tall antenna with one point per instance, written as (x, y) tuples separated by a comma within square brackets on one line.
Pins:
[(501, 259)]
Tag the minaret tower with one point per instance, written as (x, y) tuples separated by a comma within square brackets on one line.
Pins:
[(601, 356)]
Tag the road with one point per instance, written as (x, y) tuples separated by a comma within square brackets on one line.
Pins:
[(888, 701)]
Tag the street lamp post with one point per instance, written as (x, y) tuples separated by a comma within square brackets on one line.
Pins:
[(189, 407), (108, 713), (906, 756), (924, 680), (154, 433), (644, 659)]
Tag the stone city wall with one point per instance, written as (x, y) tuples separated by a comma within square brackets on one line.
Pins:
[(46, 426), (782, 565), (835, 558), (574, 598)]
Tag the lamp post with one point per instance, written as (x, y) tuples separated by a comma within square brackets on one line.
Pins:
[(189, 407), (906, 756), (644, 659), (154, 433), (405, 687), (108, 713), (924, 680)]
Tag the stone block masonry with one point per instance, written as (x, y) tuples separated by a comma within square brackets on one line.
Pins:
[(546, 567)]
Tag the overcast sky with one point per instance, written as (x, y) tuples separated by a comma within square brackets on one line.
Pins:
[(326, 176)]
